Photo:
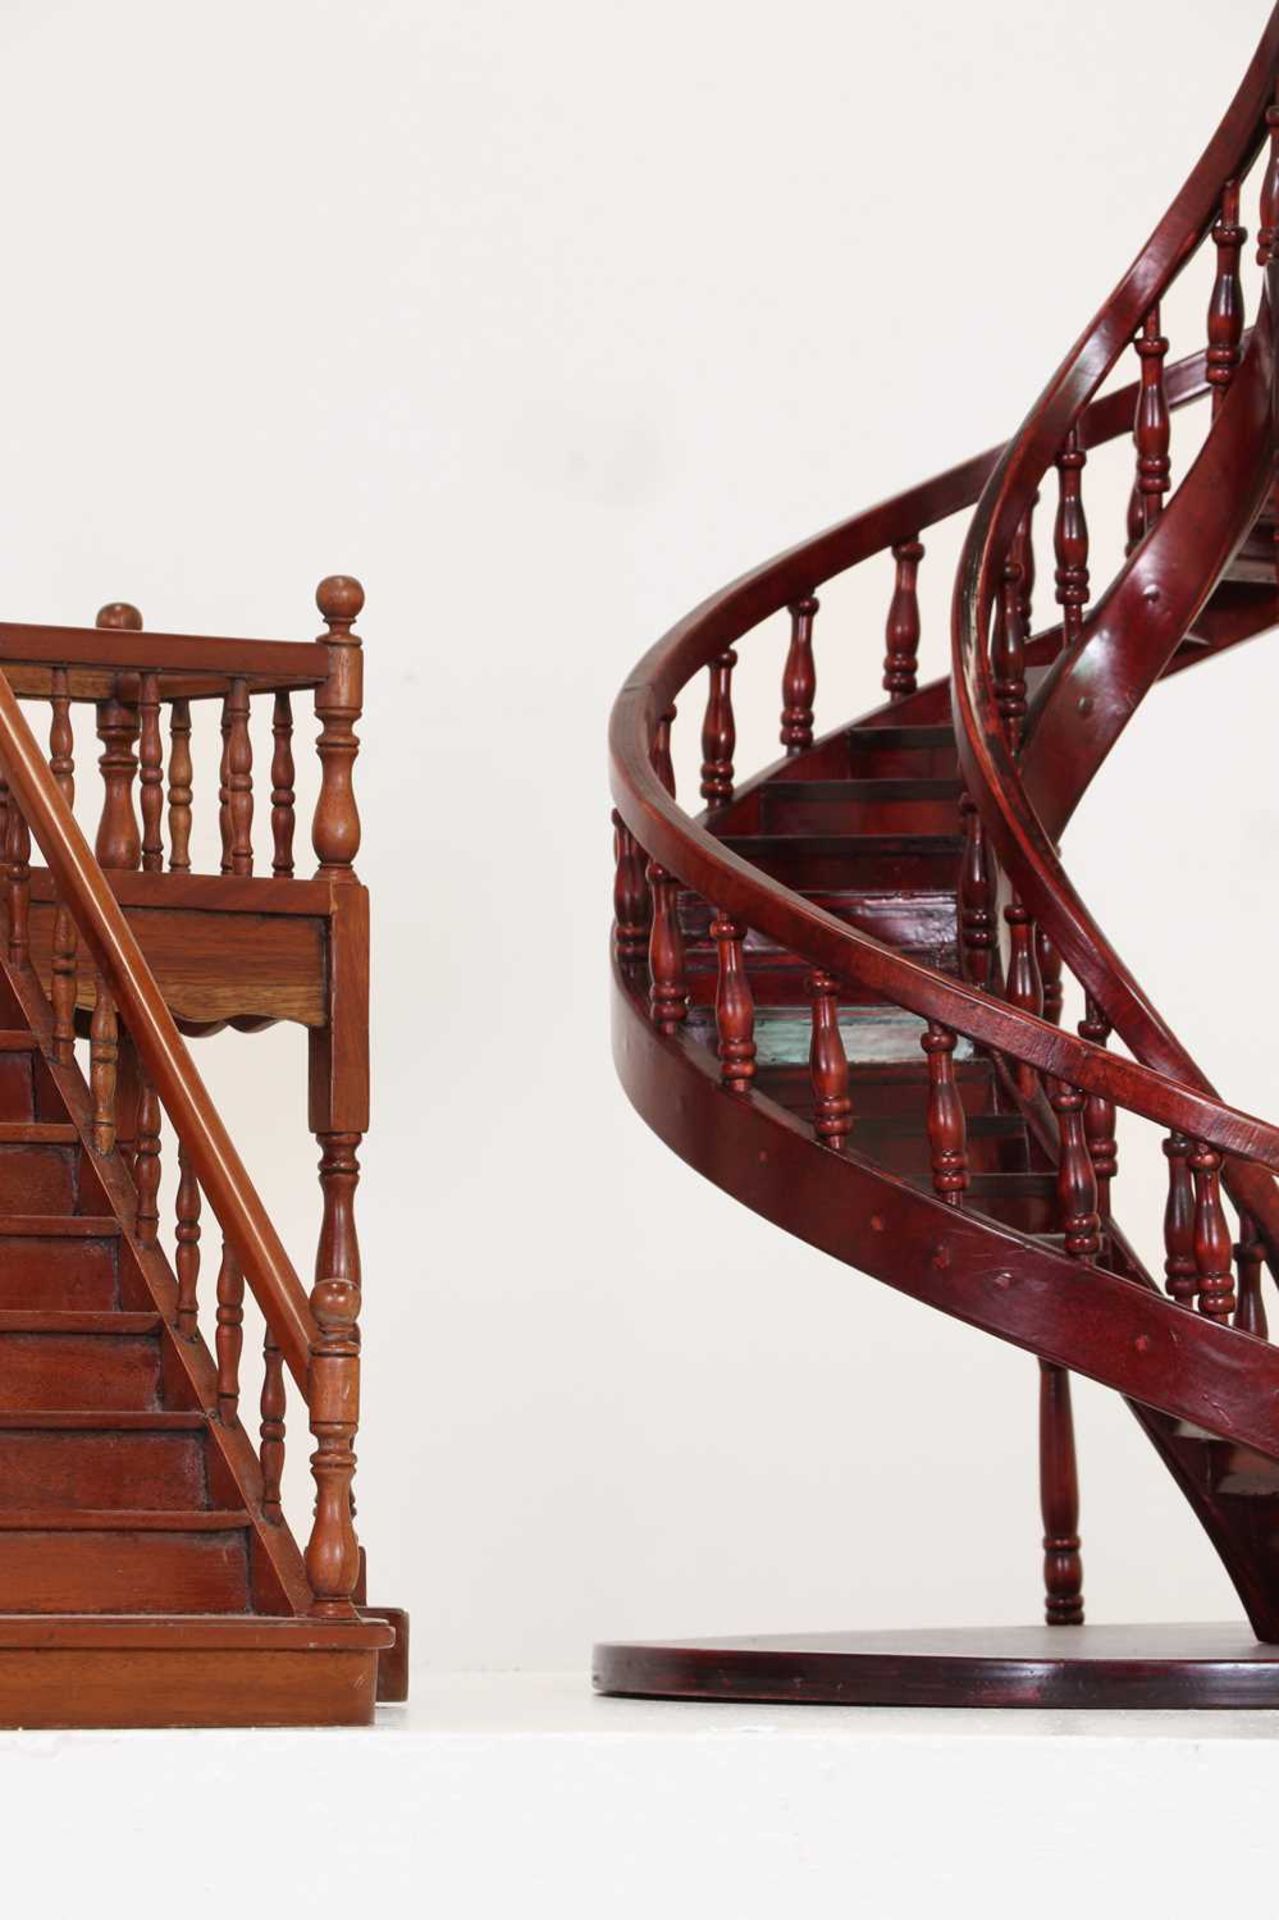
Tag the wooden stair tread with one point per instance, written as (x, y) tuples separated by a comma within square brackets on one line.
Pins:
[(1040, 1182), (104, 1420), (19, 1042), (1006, 1126), (110, 1320), (38, 1133), (868, 787), (124, 1520), (55, 1226), (865, 844), (895, 735), (122, 1631)]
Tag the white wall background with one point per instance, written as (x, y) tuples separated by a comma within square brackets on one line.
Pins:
[(545, 321)]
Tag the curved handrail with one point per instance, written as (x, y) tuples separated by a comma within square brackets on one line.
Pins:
[(1094, 689), (686, 849), (1002, 788), (88, 898)]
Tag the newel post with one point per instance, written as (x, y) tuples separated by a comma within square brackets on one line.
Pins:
[(333, 1551), (339, 702), (339, 1116)]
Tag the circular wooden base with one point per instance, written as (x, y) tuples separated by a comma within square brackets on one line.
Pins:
[(1157, 1666)]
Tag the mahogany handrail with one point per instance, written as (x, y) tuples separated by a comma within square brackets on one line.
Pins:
[(671, 837), (268, 663), (1000, 787), (88, 896)]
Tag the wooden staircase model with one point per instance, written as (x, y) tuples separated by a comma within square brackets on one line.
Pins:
[(839, 990), (147, 1574)]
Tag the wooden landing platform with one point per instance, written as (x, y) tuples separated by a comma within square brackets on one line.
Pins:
[(187, 1671), (1078, 1667)]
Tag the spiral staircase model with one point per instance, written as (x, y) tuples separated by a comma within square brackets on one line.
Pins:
[(838, 988)]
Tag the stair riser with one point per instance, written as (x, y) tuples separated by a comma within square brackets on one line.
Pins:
[(807, 867), (102, 1471), (57, 1371), (51, 1687), (906, 1152), (16, 1098), (780, 981), (912, 922), (123, 1573), (819, 813), (903, 1098), (60, 1275), (870, 759), (38, 1179), (1029, 1213)]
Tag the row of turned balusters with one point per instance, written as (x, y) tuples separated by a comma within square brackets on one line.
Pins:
[(646, 895), (1198, 1240), (133, 749)]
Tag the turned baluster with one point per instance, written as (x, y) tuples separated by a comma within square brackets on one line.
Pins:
[(150, 772), (333, 1552), (828, 1065), (1180, 1268), (719, 732), (104, 1057), (1080, 1220), (976, 898), (339, 702), (799, 677), (1059, 1500), (63, 958), (1023, 988), (229, 1337), (1070, 539), (181, 774), (282, 792), (235, 796), (1008, 657), (734, 1006), (1058, 1475), (1099, 1112), (1049, 961), (1268, 220), (271, 1447), (1153, 427), (119, 839), (187, 1259), (632, 908), (1250, 1314), (61, 733), (1226, 308), (668, 988), (663, 765), (901, 634), (1023, 552), (1212, 1236), (146, 1165), (947, 1125), (17, 856)]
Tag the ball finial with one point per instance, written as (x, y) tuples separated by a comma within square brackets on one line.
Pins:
[(339, 599), (120, 616)]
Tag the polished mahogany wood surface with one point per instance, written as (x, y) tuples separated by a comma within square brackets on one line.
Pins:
[(1080, 1667), (130, 1482), (824, 921)]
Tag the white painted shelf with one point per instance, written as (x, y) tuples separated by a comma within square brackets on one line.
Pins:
[(502, 1796)]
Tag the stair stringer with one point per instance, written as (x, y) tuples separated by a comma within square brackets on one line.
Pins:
[(1111, 1328)]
